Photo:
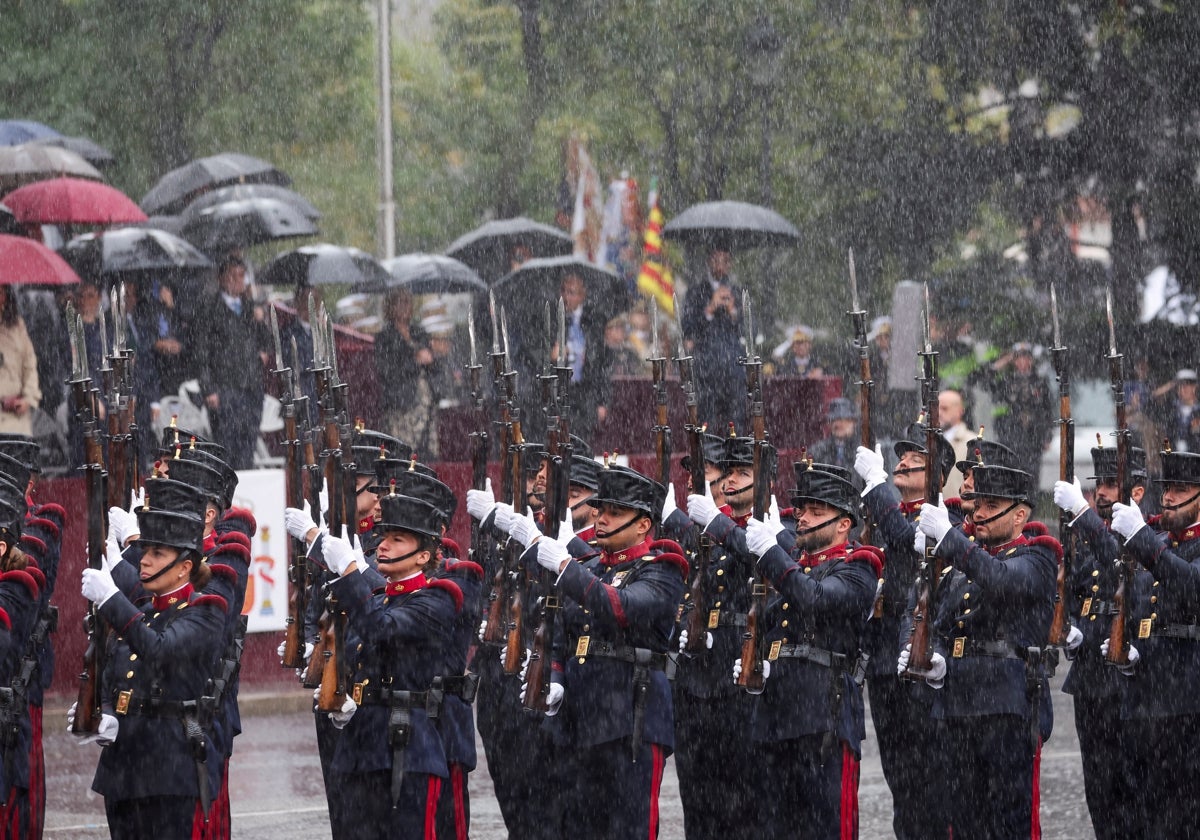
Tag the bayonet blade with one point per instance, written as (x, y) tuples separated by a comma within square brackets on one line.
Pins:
[(748, 314), (1054, 317), (508, 360), (1112, 330), (471, 335), (678, 325), (654, 333), (561, 361), (853, 285), (295, 352), (77, 369), (495, 322), (279, 365), (925, 323), (104, 348)]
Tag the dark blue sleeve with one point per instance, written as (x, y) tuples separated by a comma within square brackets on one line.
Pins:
[(642, 602)]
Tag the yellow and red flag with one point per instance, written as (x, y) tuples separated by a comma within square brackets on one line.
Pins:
[(654, 280)]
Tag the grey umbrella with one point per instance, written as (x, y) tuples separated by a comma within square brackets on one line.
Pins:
[(323, 264), (487, 249), (20, 165), (179, 187), (89, 150), (427, 274), (238, 224), (526, 290), (733, 225), (117, 253), (236, 192)]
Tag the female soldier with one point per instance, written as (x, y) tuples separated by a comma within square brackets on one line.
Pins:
[(153, 773)]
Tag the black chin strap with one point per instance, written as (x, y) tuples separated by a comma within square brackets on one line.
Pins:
[(164, 569), (907, 470), (991, 519), (730, 494), (804, 532), (581, 503), (1184, 503), (608, 534)]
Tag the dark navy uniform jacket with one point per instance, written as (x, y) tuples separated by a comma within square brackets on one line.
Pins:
[(41, 537), (395, 639), (821, 600), (1090, 589), (167, 648), (457, 723), (624, 599), (1004, 594), (20, 602), (1166, 603), (706, 672)]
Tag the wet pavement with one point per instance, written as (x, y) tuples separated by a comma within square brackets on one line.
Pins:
[(277, 791)]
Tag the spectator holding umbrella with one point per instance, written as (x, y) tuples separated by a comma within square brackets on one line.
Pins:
[(20, 393), (402, 358), (712, 317), (300, 330)]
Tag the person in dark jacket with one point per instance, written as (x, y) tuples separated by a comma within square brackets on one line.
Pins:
[(231, 341), (402, 361), (712, 324)]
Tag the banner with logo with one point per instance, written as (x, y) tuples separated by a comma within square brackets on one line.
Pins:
[(261, 493)]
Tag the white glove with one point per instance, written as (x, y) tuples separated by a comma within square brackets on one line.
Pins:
[(98, 585), (683, 640), (551, 554), (506, 517), (773, 514), (298, 522), (868, 463), (104, 735), (482, 630), (553, 699), (1069, 496), (934, 520), (566, 530), (137, 499), (760, 536), (360, 559), (339, 554), (702, 508), (308, 649), (525, 528), (112, 554), (340, 718), (919, 542), (323, 502), (669, 506), (481, 502), (737, 669), (1074, 639), (1128, 668), (121, 525), (1127, 520), (526, 653), (935, 676)]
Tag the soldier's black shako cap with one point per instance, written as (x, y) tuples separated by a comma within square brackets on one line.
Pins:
[(627, 488), (993, 453), (22, 448), (229, 479), (406, 513), (738, 452), (14, 470), (585, 471), (712, 450), (177, 496), (184, 531), (13, 495), (1000, 483), (534, 454), (199, 475), (413, 482), (1180, 468), (11, 520), (819, 486), (801, 467), (914, 441), (1104, 463), (395, 447), (185, 439), (581, 447)]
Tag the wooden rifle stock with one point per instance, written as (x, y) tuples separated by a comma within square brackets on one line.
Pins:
[(88, 707), (293, 640), (1119, 636), (494, 630), (1059, 624), (312, 469), (514, 610), (752, 677)]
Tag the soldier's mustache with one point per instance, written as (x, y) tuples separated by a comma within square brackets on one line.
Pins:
[(907, 470), (731, 493)]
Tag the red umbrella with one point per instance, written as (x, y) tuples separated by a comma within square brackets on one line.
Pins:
[(72, 201), (28, 262)]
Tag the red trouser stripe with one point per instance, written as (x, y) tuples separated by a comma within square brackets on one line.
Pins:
[(1035, 828), (198, 822), (218, 810), (458, 780), (849, 809), (37, 776), (431, 802), (656, 753)]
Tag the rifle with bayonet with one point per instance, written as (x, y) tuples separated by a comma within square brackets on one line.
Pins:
[(662, 426), (123, 477), (293, 491), (85, 396), (1119, 634), (930, 570), (479, 439), (495, 629), (697, 619), (752, 675), (1060, 626), (514, 633), (866, 385), (556, 383)]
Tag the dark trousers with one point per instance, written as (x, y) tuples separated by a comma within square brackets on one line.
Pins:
[(235, 425), (160, 817), (1166, 759), (713, 763), (1106, 779), (909, 747), (340, 824), (454, 806), (610, 796), (369, 797), (814, 789), (988, 772), (37, 776)]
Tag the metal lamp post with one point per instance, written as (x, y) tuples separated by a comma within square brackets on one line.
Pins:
[(764, 61)]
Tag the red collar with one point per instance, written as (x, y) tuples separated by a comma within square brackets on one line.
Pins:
[(631, 553), (1189, 533), (210, 543), (366, 524), (835, 552), (165, 602), (909, 508), (1018, 542), (587, 534), (403, 587)]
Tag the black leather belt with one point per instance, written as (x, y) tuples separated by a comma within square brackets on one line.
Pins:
[(366, 694), (808, 653), (1097, 607), (463, 687), (1178, 631), (727, 618), (964, 646), (627, 653), (124, 703)]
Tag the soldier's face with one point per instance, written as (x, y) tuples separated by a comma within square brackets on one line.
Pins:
[(713, 474), (1108, 492), (809, 514), (398, 556), (1002, 529), (910, 472), (155, 558), (583, 515), (367, 503), (736, 488), (1188, 514), (611, 533), (968, 486)]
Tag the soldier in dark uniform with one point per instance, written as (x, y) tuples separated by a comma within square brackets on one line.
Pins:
[(160, 659), (1096, 688), (808, 723), (610, 679), (389, 763), (1161, 712), (990, 624), (899, 710)]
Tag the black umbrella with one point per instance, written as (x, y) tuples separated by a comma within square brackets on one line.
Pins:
[(8, 223), (427, 274), (488, 248), (323, 264), (179, 187), (119, 253), (92, 152), (733, 225), (241, 191), (526, 290), (238, 224)]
